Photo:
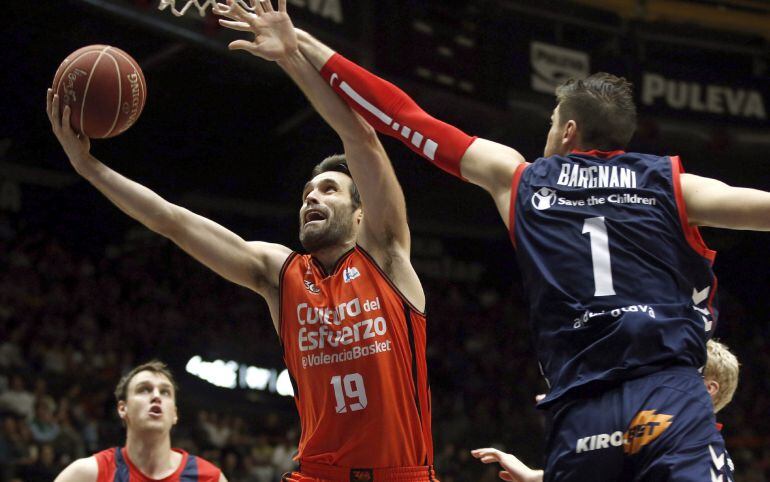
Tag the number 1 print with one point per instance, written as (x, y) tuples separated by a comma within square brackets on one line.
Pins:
[(600, 255)]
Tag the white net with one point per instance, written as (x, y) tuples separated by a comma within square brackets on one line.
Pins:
[(200, 5)]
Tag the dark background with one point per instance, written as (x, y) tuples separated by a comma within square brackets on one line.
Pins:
[(227, 135)]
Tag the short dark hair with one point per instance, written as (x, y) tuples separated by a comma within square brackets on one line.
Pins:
[(338, 163), (603, 107), (155, 366)]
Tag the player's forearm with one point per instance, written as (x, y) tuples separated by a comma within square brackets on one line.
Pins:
[(333, 110), (315, 51), (748, 209), (131, 197), (713, 203), (388, 109)]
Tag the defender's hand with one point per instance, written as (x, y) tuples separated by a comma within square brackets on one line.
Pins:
[(76, 146), (274, 36), (515, 470)]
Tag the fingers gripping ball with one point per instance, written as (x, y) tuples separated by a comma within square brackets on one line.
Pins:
[(104, 88)]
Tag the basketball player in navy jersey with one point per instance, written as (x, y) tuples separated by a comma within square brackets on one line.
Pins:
[(621, 291), (146, 404), (720, 376)]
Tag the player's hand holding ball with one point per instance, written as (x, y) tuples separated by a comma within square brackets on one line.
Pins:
[(76, 146)]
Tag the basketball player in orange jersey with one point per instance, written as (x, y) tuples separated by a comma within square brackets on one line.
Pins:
[(349, 314), (146, 398)]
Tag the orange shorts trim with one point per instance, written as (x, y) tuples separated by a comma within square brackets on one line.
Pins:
[(310, 472)]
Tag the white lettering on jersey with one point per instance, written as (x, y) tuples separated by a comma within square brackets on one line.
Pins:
[(573, 175), (599, 441)]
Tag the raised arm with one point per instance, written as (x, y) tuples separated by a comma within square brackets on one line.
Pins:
[(385, 232), (275, 39), (253, 265), (713, 203), (391, 111)]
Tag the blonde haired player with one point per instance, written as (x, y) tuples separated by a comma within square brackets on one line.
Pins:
[(146, 404), (720, 375)]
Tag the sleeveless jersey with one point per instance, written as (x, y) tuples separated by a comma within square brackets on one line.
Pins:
[(355, 349), (619, 284), (115, 466)]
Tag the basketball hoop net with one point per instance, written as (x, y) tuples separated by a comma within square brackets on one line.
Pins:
[(201, 5)]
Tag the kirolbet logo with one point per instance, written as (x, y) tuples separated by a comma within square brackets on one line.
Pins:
[(644, 429)]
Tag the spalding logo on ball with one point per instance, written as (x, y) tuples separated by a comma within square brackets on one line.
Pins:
[(104, 88)]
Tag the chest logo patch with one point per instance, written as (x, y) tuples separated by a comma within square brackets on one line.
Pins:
[(311, 287), (543, 199), (350, 274)]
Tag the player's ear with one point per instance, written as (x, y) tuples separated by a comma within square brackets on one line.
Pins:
[(712, 386), (359, 216), (122, 410), (570, 136)]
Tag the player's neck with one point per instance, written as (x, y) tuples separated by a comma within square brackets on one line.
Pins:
[(152, 454), (329, 256)]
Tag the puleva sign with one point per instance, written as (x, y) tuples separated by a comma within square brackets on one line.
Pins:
[(685, 95)]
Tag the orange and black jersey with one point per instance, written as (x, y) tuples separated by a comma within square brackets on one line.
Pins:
[(355, 349)]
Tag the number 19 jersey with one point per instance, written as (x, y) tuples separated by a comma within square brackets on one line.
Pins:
[(619, 284), (355, 349)]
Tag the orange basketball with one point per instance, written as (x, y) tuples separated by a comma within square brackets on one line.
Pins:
[(104, 88)]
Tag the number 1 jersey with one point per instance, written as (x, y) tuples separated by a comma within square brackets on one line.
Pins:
[(355, 349), (619, 284)]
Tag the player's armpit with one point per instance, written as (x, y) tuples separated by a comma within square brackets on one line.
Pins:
[(713, 203), (81, 470)]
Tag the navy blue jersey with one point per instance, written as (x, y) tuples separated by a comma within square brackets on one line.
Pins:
[(658, 427), (620, 285)]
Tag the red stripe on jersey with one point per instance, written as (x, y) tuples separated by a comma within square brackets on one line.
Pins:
[(514, 193), (691, 233), (599, 154), (190, 465)]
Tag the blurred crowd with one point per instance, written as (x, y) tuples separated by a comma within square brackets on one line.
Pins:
[(72, 320)]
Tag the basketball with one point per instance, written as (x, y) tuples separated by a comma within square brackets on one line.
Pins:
[(105, 89)]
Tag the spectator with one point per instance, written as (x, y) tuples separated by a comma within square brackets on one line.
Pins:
[(18, 399)]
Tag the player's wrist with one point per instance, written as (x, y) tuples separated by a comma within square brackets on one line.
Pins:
[(292, 60), (86, 165)]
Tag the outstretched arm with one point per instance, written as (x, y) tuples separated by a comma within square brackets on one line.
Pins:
[(485, 163), (713, 203), (384, 230), (253, 265), (514, 470)]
